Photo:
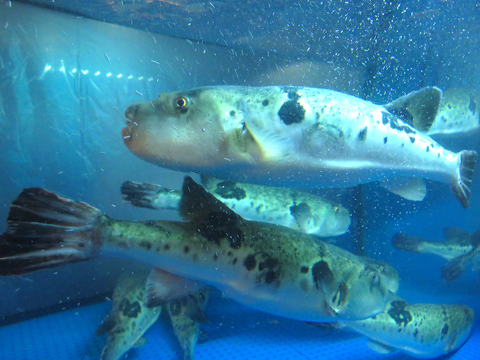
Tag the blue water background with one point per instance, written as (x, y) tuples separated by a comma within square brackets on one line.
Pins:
[(60, 122)]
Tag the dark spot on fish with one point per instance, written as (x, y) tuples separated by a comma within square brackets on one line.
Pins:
[(412, 139), (186, 249), (403, 144), (232, 113), (445, 330), (130, 309), (271, 276), (265, 102), (304, 269), (362, 135), (293, 95), (395, 122), (166, 247), (268, 263), (250, 262), (292, 112), (402, 114), (235, 261), (385, 120), (472, 105), (398, 313), (322, 274), (415, 333), (146, 245), (215, 256), (229, 190), (428, 148), (385, 139), (449, 107), (229, 253), (176, 307), (317, 116)]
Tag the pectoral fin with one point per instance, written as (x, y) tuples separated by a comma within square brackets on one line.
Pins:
[(413, 189), (272, 144), (163, 287)]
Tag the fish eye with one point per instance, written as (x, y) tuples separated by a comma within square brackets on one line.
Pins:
[(181, 103), (336, 209)]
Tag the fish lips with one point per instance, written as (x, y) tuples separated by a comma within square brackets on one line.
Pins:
[(127, 132)]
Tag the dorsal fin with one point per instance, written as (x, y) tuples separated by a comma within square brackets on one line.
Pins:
[(199, 206), (475, 239), (418, 108), (457, 235)]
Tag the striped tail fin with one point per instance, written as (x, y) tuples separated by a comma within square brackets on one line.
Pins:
[(46, 230), (465, 175)]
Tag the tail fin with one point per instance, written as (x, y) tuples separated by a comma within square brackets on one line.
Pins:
[(453, 270), (46, 230), (408, 242), (465, 176), (150, 195)]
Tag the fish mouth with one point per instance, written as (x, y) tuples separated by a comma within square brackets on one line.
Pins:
[(127, 131)]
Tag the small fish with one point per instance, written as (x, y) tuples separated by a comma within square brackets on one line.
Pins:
[(459, 112), (458, 242), (420, 330), (186, 315), (298, 137), (298, 210), (129, 318), (267, 267), (460, 248)]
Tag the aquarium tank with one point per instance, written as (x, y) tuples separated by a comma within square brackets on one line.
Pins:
[(239, 179)]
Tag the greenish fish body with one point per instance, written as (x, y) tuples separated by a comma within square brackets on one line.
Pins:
[(267, 267), (186, 315), (459, 112), (298, 210), (296, 137), (420, 330), (129, 318)]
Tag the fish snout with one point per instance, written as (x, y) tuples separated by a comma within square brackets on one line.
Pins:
[(128, 132), (132, 111)]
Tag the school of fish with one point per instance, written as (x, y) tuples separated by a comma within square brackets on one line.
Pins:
[(243, 141)]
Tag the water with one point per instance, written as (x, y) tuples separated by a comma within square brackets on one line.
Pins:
[(69, 72)]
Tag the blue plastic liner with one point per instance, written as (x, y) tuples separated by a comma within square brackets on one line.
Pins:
[(233, 332)]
